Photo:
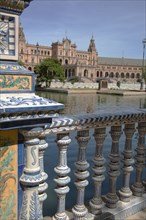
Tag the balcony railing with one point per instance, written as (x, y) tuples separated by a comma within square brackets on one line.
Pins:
[(118, 203)]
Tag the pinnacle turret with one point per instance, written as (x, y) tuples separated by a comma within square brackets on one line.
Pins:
[(92, 47)]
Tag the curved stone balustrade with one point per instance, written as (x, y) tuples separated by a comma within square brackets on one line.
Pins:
[(119, 202)]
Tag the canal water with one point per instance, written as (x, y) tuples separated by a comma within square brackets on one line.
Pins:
[(76, 104)]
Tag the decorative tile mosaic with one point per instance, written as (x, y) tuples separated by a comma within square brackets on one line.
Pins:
[(15, 82), (8, 175), (12, 67), (8, 36)]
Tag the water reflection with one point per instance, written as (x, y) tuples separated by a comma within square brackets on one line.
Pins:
[(92, 103)]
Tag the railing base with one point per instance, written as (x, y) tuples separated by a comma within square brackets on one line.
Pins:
[(122, 212), (124, 209)]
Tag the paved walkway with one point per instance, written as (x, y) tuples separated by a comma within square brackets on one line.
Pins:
[(138, 216)]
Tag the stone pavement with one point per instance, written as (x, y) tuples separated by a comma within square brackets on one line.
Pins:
[(138, 216)]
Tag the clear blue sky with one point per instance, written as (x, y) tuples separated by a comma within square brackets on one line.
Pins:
[(118, 26)]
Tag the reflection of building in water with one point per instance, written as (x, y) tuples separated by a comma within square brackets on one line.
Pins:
[(87, 65)]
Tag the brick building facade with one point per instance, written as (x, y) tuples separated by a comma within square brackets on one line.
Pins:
[(85, 64)]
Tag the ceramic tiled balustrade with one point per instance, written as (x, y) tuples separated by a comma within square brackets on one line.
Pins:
[(118, 202)]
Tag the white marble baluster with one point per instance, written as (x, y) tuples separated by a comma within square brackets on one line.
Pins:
[(96, 203), (62, 179), (125, 192), (138, 187), (43, 185), (79, 210), (111, 198), (31, 177)]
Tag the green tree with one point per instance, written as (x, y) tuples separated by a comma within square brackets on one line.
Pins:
[(21, 63), (48, 70)]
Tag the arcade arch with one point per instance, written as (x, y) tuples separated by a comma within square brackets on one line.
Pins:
[(30, 68), (132, 75), (127, 75), (122, 75), (106, 74), (138, 75), (85, 73), (117, 75)]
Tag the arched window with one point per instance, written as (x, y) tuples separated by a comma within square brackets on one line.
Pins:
[(117, 75), (61, 61), (111, 74), (122, 75), (97, 73), (127, 75), (106, 74), (132, 75), (100, 73), (85, 73), (29, 68), (66, 61), (32, 59), (138, 75)]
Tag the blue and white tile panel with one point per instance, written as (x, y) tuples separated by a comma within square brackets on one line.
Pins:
[(27, 103), (11, 32)]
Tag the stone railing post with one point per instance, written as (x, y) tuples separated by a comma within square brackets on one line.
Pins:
[(111, 198), (43, 185), (138, 187), (31, 177), (125, 193), (62, 179), (79, 210), (99, 169)]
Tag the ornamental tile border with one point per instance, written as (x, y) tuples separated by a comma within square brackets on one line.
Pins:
[(5, 67), (66, 124)]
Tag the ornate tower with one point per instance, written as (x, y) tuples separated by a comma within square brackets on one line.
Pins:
[(92, 47), (93, 52)]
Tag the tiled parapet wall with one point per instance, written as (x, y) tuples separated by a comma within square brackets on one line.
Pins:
[(103, 124)]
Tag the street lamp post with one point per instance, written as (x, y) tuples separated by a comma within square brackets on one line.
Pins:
[(37, 46), (143, 65)]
